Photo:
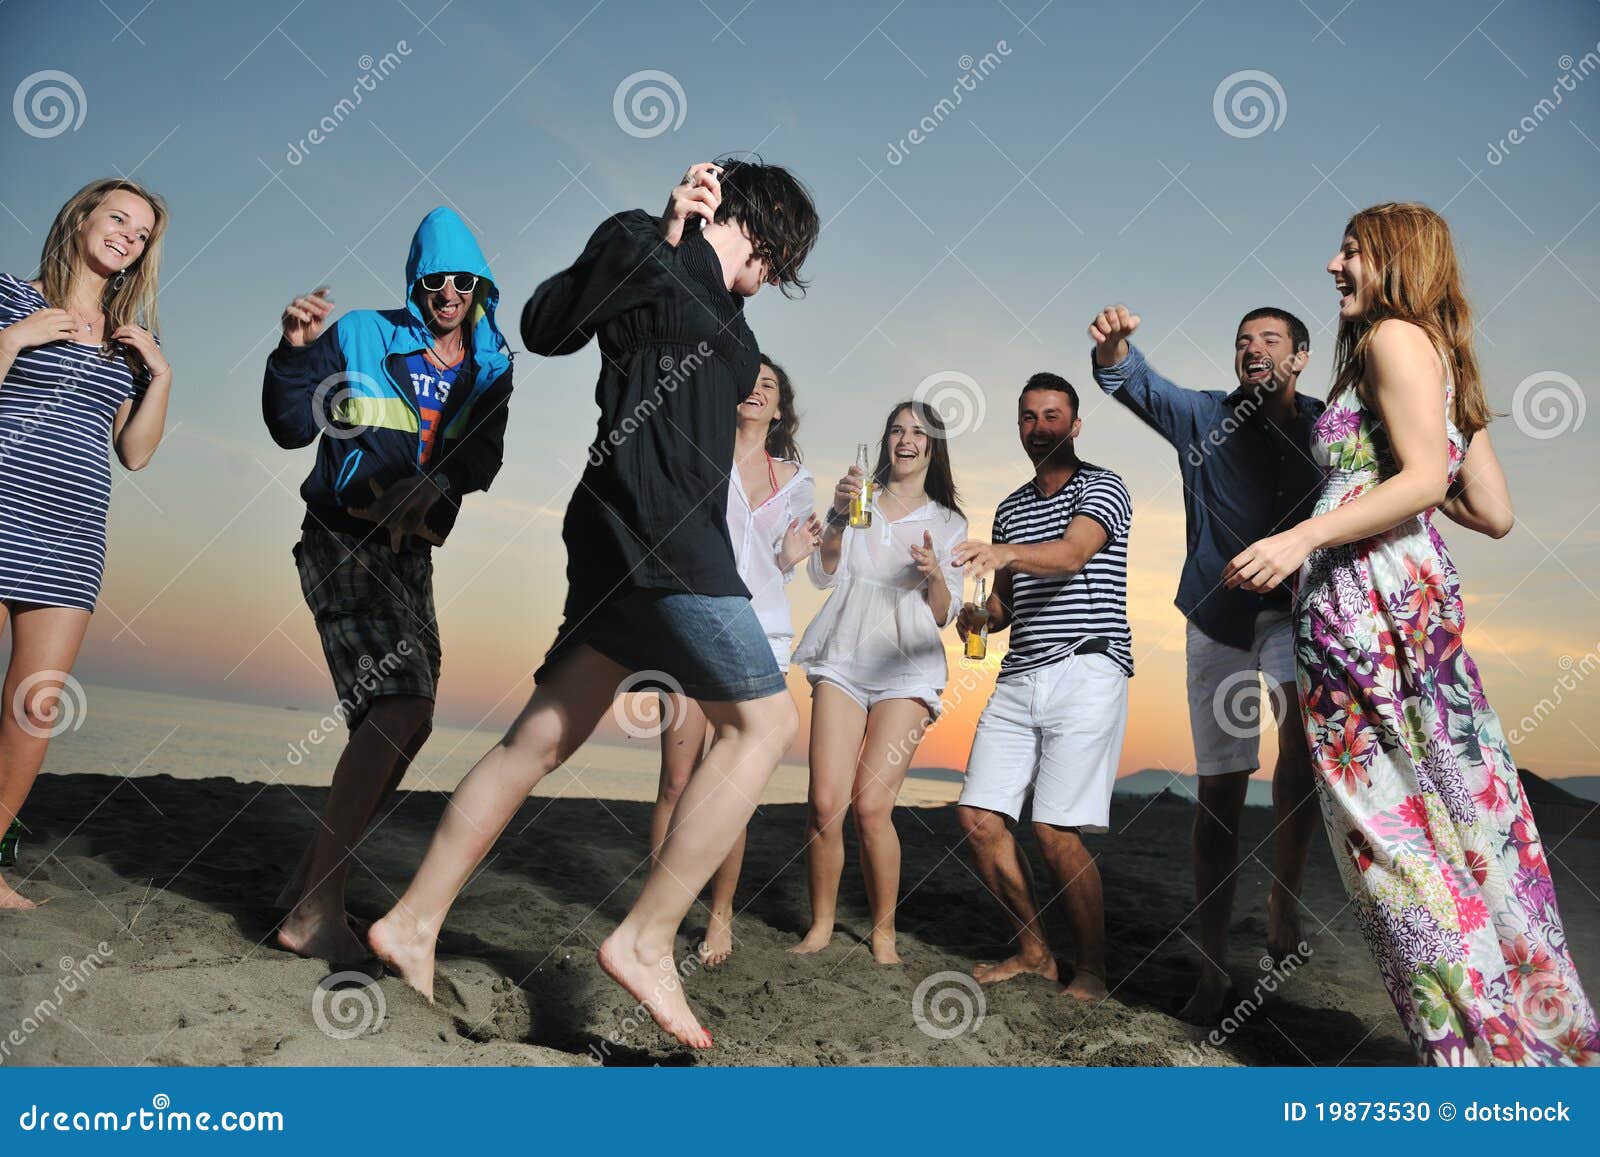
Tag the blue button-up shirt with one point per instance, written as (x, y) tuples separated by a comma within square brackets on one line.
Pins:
[(1244, 478)]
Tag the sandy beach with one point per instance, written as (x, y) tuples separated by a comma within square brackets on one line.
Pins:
[(162, 886), (154, 944)]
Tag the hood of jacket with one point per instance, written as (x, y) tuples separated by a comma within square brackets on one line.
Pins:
[(444, 244)]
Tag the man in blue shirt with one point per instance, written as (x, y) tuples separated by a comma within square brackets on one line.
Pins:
[(1247, 472)]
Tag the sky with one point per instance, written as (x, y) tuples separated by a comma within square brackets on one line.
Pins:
[(1096, 154)]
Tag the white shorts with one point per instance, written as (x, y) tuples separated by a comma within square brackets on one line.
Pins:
[(781, 646), (1055, 731), (932, 697), (1227, 705)]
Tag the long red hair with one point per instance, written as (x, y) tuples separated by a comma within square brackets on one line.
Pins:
[(1411, 273)]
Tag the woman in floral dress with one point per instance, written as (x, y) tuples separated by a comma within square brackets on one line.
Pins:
[(1430, 826)]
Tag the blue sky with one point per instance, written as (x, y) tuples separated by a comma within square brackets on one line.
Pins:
[(1087, 166)]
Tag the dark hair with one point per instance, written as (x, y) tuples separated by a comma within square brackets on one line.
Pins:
[(940, 484), (1045, 380), (776, 210), (1298, 333), (780, 435)]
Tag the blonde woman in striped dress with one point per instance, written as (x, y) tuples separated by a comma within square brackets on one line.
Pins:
[(79, 367)]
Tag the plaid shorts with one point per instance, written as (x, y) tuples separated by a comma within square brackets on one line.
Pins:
[(374, 612)]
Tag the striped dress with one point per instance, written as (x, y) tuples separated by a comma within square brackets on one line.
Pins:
[(56, 408)]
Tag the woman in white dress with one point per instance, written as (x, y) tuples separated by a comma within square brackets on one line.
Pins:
[(875, 660), (773, 524)]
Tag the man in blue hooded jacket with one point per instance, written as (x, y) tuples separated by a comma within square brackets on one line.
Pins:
[(411, 407)]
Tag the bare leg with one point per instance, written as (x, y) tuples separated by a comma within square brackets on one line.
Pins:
[(1078, 878), (683, 741), (718, 944), (751, 737), (317, 926), (44, 645), (1216, 863), (296, 885), (1005, 873), (838, 724), (557, 719), (1296, 815), (894, 729)]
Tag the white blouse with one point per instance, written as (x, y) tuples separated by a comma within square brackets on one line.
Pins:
[(876, 629), (757, 536)]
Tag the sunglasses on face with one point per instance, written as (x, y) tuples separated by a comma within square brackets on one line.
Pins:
[(464, 283)]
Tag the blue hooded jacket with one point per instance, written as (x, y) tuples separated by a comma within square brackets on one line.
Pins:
[(352, 386)]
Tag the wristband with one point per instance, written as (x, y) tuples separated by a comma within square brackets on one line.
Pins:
[(837, 520)]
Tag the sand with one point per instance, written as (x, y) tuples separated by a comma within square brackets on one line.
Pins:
[(155, 946)]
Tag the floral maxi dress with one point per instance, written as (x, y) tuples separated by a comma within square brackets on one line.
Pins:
[(1432, 832)]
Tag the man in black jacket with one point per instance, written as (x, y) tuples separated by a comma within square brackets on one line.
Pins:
[(654, 595)]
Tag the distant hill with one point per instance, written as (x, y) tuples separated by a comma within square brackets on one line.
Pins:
[(1557, 810), (1155, 780), (943, 774), (1583, 786)]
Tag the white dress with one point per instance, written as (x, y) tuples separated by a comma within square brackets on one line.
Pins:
[(757, 536), (876, 636)]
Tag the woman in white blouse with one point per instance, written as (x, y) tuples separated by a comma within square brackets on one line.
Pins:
[(773, 524), (876, 662)]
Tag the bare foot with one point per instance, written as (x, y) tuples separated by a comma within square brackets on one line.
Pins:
[(13, 900), (1086, 986), (718, 944), (815, 940), (305, 933), (1212, 998), (1044, 966), (1283, 926), (406, 947), (883, 948), (652, 979)]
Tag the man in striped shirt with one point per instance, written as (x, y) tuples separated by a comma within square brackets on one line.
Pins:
[(1054, 725)]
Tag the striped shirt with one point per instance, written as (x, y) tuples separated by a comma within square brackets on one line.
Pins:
[(57, 406), (1050, 617)]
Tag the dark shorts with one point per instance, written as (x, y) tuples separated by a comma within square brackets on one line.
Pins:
[(374, 611), (705, 647)]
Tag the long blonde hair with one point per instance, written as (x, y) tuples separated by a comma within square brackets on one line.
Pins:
[(1412, 274), (131, 295)]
